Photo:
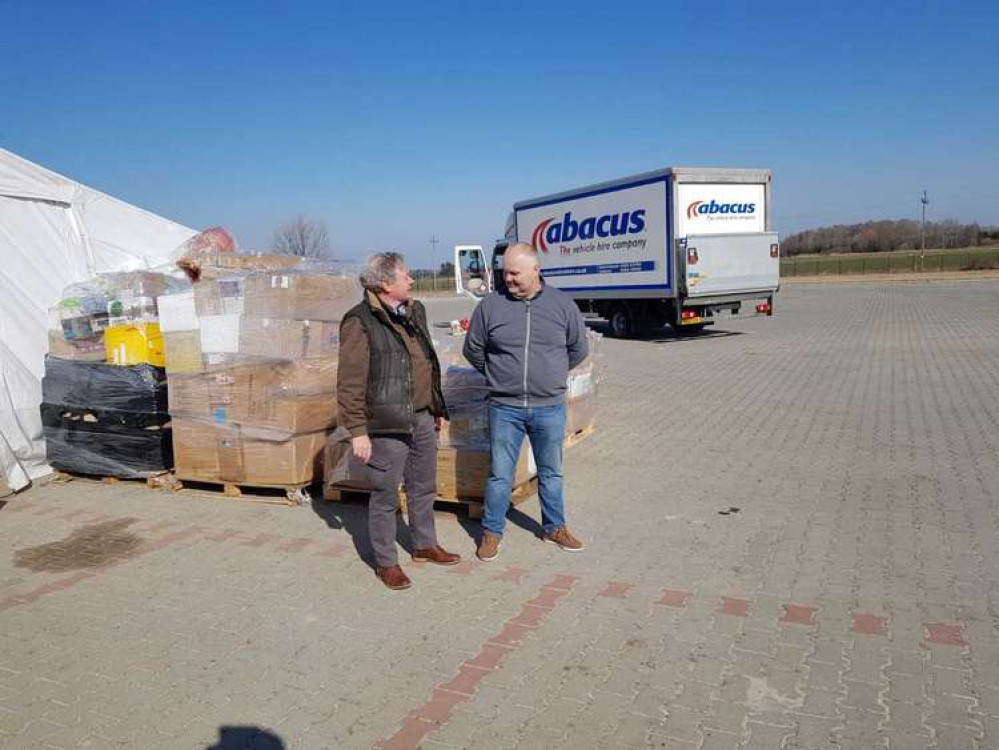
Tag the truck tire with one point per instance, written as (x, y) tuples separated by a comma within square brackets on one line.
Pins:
[(621, 321)]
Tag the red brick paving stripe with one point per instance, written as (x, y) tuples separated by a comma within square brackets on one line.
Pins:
[(20, 600), (512, 573), (734, 607), (531, 616), (868, 624), (465, 682), (224, 536), (946, 634), (336, 550), (296, 545), (798, 614), (260, 540), (674, 598), (511, 634), (409, 736), (438, 709), (616, 589), (562, 582), (464, 568), (547, 597), (446, 696), (489, 656)]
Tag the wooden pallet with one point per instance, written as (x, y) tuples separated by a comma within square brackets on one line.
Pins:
[(573, 438), (270, 494), (62, 477), (472, 505)]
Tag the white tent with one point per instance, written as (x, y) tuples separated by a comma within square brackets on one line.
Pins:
[(54, 232)]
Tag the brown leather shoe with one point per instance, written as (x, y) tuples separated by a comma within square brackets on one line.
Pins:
[(565, 540), (436, 554), (488, 547), (393, 577)]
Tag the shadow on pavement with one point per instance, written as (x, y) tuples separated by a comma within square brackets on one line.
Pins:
[(351, 515), (246, 738), (515, 516), (667, 335)]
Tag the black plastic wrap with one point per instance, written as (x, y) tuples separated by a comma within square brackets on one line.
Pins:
[(104, 387), (80, 446), (56, 415)]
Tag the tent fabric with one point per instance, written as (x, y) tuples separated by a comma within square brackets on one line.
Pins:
[(55, 232)]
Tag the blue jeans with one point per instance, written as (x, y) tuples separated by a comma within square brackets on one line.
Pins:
[(545, 426)]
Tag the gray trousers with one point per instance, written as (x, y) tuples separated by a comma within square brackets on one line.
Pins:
[(412, 461)]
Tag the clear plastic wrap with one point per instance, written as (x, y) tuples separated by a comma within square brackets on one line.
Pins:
[(461, 473), (210, 452), (204, 249), (294, 293), (467, 395), (272, 400), (114, 304), (106, 420), (107, 443)]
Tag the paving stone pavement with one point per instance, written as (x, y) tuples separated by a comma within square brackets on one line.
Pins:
[(848, 602)]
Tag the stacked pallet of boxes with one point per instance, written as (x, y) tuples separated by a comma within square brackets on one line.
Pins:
[(104, 398), (251, 358), (463, 442)]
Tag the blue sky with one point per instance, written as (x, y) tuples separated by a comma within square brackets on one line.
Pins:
[(397, 121)]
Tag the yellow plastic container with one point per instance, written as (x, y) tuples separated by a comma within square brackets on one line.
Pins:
[(135, 344)]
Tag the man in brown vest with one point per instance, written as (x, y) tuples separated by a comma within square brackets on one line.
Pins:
[(390, 400)]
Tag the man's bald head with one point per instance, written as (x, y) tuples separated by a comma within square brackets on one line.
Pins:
[(522, 249), (521, 270)]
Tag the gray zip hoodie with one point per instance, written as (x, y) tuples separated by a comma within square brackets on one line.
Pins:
[(525, 348)]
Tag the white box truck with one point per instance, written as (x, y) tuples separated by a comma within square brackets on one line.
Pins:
[(680, 246)]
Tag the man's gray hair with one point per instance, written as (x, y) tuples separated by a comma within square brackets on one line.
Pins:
[(380, 269)]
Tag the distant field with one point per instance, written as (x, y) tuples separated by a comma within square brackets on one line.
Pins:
[(849, 264), (900, 261)]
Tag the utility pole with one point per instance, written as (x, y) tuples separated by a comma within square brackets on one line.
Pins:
[(925, 201), (433, 256)]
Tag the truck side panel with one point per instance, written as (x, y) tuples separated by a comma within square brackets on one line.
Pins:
[(607, 240)]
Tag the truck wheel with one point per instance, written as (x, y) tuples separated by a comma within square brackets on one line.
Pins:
[(622, 322)]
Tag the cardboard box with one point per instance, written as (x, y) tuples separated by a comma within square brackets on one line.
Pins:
[(232, 261), (283, 338), (301, 296), (177, 313), (182, 352), (80, 350), (460, 473), (219, 296), (135, 344), (288, 397), (580, 413), (211, 453)]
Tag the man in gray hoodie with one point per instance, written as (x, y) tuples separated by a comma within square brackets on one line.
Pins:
[(525, 341)]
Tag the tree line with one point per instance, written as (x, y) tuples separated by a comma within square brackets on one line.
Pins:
[(886, 235)]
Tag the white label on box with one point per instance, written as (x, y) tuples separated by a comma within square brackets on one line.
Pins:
[(177, 312), (220, 334)]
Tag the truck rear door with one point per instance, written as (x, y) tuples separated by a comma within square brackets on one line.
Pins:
[(729, 264)]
